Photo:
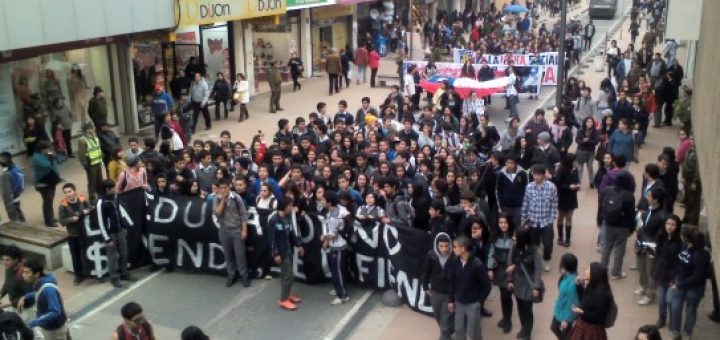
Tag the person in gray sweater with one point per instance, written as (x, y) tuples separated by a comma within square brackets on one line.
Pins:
[(199, 95), (229, 209)]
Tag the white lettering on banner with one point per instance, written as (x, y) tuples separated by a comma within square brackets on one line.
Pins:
[(324, 263), (168, 219), (386, 235), (361, 260), (404, 286), (213, 249), (186, 215), (297, 264), (363, 234), (381, 272), (125, 216), (100, 264), (311, 228), (421, 302), (195, 257), (154, 248), (254, 220)]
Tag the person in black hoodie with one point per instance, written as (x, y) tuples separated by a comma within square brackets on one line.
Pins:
[(596, 300), (469, 286), (221, 94), (480, 237), (688, 287), (113, 232), (617, 209), (439, 221), (668, 246), (436, 283), (653, 220), (510, 188), (669, 171)]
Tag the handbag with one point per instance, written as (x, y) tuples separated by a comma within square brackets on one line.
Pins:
[(541, 288)]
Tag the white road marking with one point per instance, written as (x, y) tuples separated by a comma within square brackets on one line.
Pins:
[(349, 316)]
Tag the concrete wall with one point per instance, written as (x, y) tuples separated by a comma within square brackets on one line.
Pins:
[(706, 125)]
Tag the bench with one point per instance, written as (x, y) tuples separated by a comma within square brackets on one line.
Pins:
[(44, 241), (385, 80)]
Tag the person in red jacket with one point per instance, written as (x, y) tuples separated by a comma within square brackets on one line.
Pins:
[(374, 65), (361, 60)]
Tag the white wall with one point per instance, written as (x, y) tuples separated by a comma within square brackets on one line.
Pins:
[(28, 23), (678, 26)]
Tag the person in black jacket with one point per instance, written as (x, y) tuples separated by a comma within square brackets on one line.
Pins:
[(653, 220), (619, 223), (668, 246), (688, 287), (282, 243), (453, 101), (469, 286), (113, 232), (221, 94), (567, 182), (510, 188), (587, 139), (436, 283), (439, 221), (13, 321), (484, 74), (596, 299), (669, 171)]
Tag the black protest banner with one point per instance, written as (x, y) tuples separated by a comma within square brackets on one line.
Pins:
[(131, 207), (183, 233)]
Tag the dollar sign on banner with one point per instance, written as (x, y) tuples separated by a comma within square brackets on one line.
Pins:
[(98, 260)]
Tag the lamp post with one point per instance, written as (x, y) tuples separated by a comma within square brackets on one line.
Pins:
[(561, 54)]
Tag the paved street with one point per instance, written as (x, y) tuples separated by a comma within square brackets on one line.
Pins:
[(175, 300)]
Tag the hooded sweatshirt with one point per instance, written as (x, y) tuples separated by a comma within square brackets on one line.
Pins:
[(436, 276), (511, 187), (332, 226), (50, 309)]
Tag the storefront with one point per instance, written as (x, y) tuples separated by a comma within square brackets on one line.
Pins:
[(331, 28), (274, 38), (31, 79)]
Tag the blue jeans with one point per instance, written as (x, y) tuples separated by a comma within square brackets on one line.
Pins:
[(661, 296), (690, 299)]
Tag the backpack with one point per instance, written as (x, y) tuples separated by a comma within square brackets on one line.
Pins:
[(612, 207), (18, 180), (404, 212), (611, 315), (12, 327)]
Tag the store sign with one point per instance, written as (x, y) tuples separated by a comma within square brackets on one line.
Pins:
[(332, 12), (299, 4), (202, 12), (350, 2)]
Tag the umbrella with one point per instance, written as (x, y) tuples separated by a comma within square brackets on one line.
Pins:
[(515, 9), (463, 86)]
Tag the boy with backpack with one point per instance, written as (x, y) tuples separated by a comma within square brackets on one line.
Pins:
[(12, 184), (617, 209)]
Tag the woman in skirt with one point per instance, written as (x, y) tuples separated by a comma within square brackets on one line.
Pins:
[(596, 299)]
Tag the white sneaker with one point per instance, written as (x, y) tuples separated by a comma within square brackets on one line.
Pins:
[(336, 301), (645, 301), (333, 293), (621, 276), (546, 266), (639, 291), (268, 277), (346, 299), (633, 267)]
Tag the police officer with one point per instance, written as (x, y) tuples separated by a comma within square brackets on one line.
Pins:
[(275, 81), (91, 157)]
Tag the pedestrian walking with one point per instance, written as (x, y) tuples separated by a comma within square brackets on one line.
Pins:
[(596, 302), (296, 70), (374, 64), (668, 247), (362, 59), (241, 95), (229, 208), (617, 206), (436, 283), (539, 211), (12, 185), (333, 67), (469, 286), (97, 107), (135, 324), (525, 282), (199, 95), (499, 260), (50, 317), (221, 95), (335, 245), (284, 240), (162, 104), (563, 316)]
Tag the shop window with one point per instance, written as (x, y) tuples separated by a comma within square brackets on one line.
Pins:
[(148, 70), (28, 87)]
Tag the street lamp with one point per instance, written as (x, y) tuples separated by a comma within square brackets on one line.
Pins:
[(561, 54)]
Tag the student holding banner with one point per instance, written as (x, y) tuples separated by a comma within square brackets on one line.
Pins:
[(283, 241)]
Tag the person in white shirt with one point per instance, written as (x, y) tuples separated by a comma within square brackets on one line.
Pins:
[(511, 93), (242, 95), (409, 83)]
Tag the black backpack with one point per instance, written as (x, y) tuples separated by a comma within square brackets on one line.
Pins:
[(12, 327), (612, 207)]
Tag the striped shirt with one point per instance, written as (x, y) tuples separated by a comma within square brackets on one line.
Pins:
[(540, 204)]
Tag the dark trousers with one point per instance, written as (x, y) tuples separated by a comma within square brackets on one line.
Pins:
[(197, 107), (525, 313), (344, 76), (67, 136), (117, 255), (506, 304), (335, 260), (224, 103), (668, 111), (76, 252), (586, 42), (48, 195), (334, 83), (243, 112), (555, 328), (296, 83), (373, 75), (286, 275), (94, 178), (545, 237), (275, 93)]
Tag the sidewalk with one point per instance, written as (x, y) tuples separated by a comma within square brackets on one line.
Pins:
[(393, 323)]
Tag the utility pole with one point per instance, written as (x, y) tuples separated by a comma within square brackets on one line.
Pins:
[(561, 54)]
